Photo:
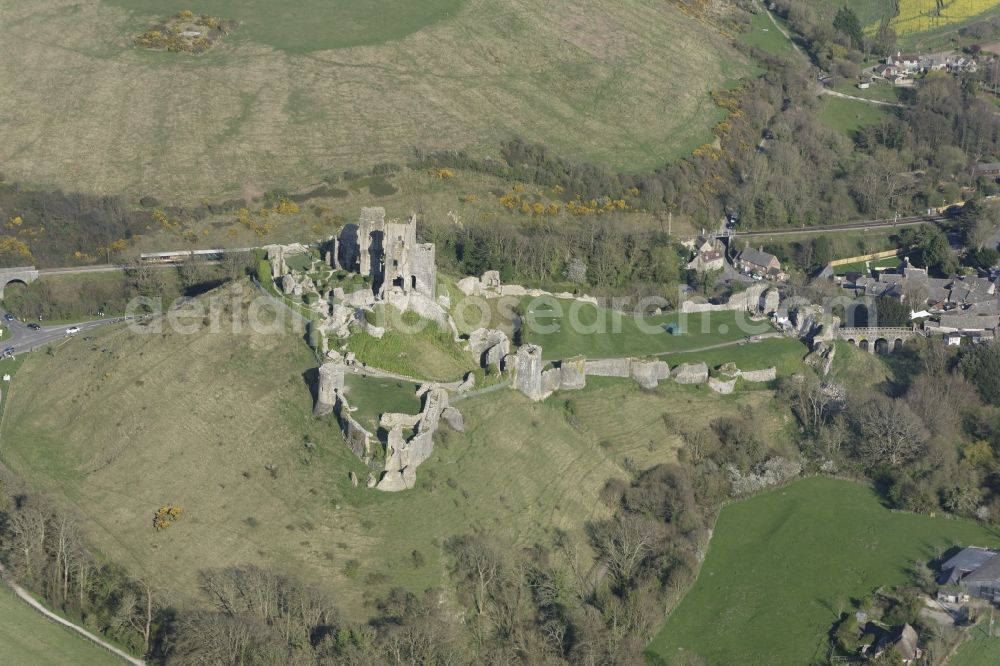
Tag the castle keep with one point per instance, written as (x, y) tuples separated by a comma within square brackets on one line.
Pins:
[(387, 252)]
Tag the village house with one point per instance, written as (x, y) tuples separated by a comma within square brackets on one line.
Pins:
[(905, 62), (709, 256), (902, 641), (986, 169), (758, 262)]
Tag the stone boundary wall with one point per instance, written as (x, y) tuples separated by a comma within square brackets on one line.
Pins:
[(611, 367), (765, 375), (357, 437), (750, 299)]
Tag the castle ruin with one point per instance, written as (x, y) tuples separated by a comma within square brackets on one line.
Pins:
[(386, 252)]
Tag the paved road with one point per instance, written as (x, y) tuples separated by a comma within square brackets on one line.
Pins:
[(24, 339)]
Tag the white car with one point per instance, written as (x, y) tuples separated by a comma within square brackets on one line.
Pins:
[(72, 330)]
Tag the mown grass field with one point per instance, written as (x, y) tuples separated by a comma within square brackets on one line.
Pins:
[(567, 328), (848, 116), (28, 639), (372, 396), (115, 426), (785, 354), (782, 566), (283, 102)]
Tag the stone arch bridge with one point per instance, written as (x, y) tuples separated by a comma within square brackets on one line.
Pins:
[(22, 274), (878, 340)]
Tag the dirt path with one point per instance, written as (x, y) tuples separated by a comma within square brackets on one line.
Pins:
[(874, 102), (30, 600)]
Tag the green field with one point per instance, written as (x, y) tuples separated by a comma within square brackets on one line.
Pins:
[(372, 396), (312, 25), (868, 11), (285, 101), (29, 639), (765, 36), (877, 91), (782, 566), (600, 333), (980, 650), (848, 116)]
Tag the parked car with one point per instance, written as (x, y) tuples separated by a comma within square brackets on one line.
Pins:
[(35, 327), (9, 317), (72, 330)]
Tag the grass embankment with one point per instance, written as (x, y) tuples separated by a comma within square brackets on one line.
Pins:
[(347, 75), (782, 566), (980, 649), (218, 423), (418, 348), (29, 639), (856, 368)]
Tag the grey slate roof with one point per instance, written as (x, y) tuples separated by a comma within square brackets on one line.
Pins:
[(756, 257), (988, 573), (963, 563), (969, 322)]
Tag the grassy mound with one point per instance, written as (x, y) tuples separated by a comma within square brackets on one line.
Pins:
[(117, 425), (291, 96), (782, 566)]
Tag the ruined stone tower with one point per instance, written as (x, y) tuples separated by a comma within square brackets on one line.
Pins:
[(528, 372), (388, 253)]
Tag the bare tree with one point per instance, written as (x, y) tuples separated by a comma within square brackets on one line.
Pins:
[(28, 526), (625, 544), (136, 609), (480, 564), (889, 432)]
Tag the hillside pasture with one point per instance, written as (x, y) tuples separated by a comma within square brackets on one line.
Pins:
[(783, 565), (284, 103)]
